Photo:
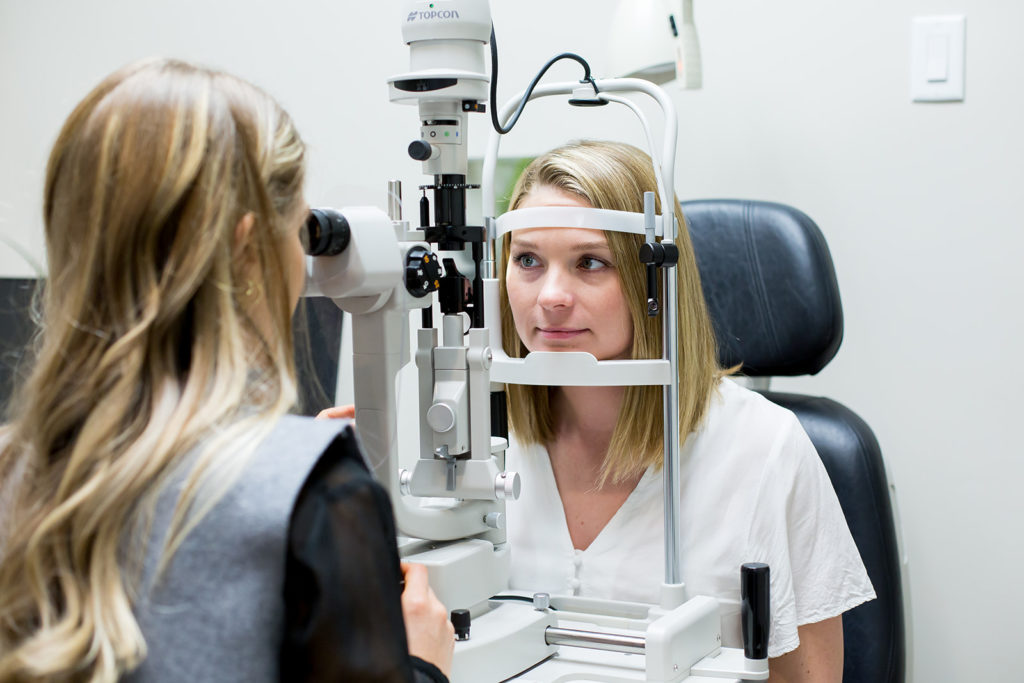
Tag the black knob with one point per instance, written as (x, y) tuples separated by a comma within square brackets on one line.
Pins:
[(460, 620), (420, 150), (755, 609), (422, 272), (652, 252)]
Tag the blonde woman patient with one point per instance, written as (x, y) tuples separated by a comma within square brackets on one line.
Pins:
[(162, 517), (590, 518)]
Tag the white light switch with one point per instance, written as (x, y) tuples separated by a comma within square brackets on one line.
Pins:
[(937, 58), (937, 66)]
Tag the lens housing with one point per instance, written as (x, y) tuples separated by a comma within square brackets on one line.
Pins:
[(327, 232)]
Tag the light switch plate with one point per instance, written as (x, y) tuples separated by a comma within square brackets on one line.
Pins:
[(937, 58)]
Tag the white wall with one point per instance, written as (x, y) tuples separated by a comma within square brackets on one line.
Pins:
[(805, 102)]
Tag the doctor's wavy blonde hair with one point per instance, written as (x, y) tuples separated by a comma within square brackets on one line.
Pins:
[(148, 348), (612, 175)]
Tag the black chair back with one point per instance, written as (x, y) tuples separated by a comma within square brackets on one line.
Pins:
[(774, 301)]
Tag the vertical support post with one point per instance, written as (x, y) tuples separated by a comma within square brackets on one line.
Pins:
[(673, 486)]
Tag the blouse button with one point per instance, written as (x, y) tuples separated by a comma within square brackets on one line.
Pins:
[(574, 585), (578, 561)]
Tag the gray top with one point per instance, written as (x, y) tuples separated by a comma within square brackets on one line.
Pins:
[(217, 614)]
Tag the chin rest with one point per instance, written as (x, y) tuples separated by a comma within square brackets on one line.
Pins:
[(774, 302)]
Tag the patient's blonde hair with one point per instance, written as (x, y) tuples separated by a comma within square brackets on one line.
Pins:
[(147, 348), (610, 175)]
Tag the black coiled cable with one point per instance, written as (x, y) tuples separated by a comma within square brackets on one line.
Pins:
[(587, 78)]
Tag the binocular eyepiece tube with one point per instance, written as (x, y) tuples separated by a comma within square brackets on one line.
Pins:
[(327, 232)]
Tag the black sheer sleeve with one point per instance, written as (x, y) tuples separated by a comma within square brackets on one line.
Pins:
[(343, 615)]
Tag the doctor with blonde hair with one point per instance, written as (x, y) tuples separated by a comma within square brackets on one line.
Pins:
[(162, 518)]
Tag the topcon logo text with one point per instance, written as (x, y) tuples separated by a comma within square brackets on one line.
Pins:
[(433, 14)]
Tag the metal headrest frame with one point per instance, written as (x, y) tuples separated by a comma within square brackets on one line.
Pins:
[(573, 368)]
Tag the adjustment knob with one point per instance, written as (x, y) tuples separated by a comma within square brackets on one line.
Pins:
[(422, 272), (507, 486), (420, 150), (460, 620), (441, 417), (495, 520)]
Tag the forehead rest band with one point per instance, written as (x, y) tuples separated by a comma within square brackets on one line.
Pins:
[(574, 217)]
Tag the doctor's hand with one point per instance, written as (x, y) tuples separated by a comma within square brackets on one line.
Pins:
[(430, 634), (348, 411)]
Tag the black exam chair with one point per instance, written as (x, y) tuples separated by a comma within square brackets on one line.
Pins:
[(773, 298)]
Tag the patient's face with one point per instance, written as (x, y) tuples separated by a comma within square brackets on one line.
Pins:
[(563, 286)]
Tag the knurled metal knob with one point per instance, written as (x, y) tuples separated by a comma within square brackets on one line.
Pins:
[(422, 272), (420, 150)]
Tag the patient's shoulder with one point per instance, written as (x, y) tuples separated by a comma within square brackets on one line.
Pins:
[(734, 407)]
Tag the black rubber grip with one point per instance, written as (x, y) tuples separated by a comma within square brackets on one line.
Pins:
[(755, 610), (461, 621)]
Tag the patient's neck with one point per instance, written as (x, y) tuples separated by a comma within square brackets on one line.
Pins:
[(587, 416)]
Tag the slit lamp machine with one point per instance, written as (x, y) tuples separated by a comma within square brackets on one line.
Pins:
[(378, 268)]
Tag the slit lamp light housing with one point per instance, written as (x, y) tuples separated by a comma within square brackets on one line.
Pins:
[(655, 40)]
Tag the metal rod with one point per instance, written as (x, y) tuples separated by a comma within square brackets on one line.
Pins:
[(595, 640), (649, 227), (673, 483), (489, 247), (395, 200)]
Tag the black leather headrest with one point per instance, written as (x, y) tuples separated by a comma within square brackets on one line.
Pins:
[(770, 286)]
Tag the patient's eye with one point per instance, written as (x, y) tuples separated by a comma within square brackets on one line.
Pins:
[(525, 260), (592, 263)]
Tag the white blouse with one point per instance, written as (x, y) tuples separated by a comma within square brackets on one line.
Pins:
[(753, 490)]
